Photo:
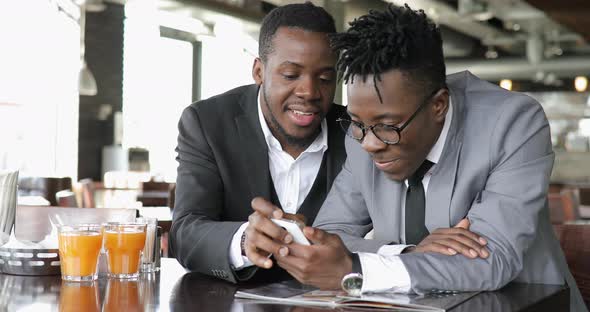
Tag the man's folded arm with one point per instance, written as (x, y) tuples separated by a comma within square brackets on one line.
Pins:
[(506, 214), (198, 239)]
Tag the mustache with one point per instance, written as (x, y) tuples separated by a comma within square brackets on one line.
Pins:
[(305, 106)]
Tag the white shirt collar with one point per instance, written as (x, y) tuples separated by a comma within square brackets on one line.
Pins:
[(436, 151), (319, 144)]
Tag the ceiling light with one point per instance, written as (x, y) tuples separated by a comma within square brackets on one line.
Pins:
[(506, 84), (86, 81), (550, 79), (581, 83), (553, 50), (491, 53), (94, 6), (516, 26), (476, 9)]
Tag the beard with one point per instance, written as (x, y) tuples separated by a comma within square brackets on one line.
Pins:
[(278, 130)]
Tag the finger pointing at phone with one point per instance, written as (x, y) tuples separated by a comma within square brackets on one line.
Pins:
[(262, 236)]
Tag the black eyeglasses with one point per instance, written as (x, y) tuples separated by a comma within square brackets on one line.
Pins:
[(388, 134)]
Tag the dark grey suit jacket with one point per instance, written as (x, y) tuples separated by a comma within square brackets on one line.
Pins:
[(223, 164), (494, 169)]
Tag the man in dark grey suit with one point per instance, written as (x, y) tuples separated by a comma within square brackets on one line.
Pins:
[(426, 153), (277, 139)]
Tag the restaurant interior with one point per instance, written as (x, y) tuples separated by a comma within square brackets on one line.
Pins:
[(91, 92)]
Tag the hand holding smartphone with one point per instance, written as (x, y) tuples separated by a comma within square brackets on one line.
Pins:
[(294, 229)]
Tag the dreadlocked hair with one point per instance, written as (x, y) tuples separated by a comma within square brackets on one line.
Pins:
[(398, 38)]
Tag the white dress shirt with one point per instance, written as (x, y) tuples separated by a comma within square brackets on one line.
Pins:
[(292, 178), (384, 271)]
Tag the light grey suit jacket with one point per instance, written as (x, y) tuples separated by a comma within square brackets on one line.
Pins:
[(494, 169)]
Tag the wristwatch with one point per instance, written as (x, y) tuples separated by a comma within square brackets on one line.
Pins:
[(352, 283)]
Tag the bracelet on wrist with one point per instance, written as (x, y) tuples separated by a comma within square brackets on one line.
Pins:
[(243, 243)]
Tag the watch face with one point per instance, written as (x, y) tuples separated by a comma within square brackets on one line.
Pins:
[(352, 283)]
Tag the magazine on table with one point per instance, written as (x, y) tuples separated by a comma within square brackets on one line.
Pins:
[(293, 293)]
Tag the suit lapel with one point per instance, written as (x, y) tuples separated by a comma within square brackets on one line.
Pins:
[(329, 168), (442, 182), (335, 153), (253, 145), (317, 194), (387, 193)]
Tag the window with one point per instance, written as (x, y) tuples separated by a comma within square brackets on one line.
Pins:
[(161, 77), (39, 65), (227, 59), (157, 86), (151, 110)]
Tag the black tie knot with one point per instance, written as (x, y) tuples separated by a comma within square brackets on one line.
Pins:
[(420, 172)]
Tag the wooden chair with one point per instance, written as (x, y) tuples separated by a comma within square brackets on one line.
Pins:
[(563, 206), (172, 196), (66, 198), (575, 242), (154, 193), (155, 186), (584, 195), (556, 187), (87, 190), (44, 186), (584, 208)]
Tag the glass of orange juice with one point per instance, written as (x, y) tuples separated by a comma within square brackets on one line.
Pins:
[(77, 296), (79, 247), (124, 243)]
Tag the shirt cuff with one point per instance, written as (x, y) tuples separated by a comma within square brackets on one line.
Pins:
[(236, 259), (392, 250), (384, 274)]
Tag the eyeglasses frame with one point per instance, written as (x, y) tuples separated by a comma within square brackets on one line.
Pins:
[(365, 129)]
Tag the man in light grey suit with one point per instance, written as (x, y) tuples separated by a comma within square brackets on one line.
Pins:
[(426, 154)]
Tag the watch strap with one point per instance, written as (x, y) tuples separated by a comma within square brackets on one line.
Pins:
[(356, 263)]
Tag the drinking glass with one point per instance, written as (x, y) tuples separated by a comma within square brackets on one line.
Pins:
[(79, 247), (124, 244), (151, 252)]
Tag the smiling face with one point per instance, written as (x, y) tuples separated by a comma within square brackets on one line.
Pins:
[(400, 101), (298, 81)]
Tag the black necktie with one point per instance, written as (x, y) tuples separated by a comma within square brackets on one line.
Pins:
[(415, 203)]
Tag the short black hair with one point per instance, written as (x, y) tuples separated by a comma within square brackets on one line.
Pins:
[(397, 38), (305, 16)]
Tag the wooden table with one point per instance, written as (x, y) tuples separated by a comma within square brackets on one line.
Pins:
[(175, 290)]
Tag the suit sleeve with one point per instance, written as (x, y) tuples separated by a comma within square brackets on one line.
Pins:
[(344, 211), (508, 210), (198, 238)]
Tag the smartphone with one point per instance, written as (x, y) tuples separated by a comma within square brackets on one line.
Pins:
[(294, 229)]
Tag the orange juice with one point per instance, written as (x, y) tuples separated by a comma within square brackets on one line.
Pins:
[(76, 297), (78, 253), (124, 250), (122, 295)]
